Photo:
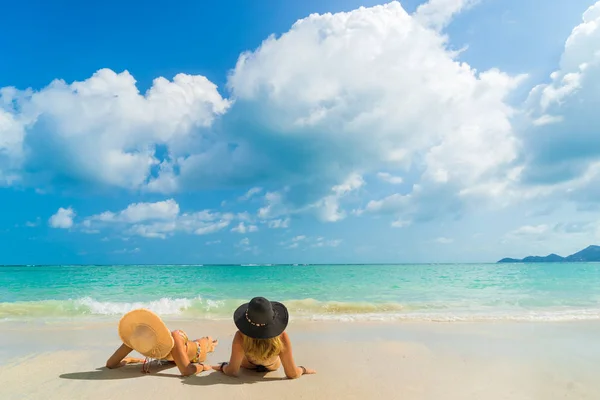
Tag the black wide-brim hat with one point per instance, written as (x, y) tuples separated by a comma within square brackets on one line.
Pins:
[(261, 318)]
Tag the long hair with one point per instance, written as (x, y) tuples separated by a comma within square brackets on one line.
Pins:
[(262, 349)]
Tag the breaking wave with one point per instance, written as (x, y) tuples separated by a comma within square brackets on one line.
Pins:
[(307, 309)]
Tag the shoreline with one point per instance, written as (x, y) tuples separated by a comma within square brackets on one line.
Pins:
[(417, 360)]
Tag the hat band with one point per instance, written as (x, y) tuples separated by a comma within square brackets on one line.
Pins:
[(252, 322)]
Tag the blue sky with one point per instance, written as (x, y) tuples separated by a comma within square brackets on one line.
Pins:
[(316, 131)]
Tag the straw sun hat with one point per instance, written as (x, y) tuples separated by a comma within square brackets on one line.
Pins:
[(146, 333)]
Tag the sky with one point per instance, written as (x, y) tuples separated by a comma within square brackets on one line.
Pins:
[(330, 131)]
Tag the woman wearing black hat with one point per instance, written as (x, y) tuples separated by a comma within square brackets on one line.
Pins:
[(261, 342)]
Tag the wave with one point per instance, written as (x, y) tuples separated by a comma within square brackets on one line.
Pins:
[(305, 309), (179, 306)]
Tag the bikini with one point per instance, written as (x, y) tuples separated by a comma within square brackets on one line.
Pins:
[(184, 336), (263, 367)]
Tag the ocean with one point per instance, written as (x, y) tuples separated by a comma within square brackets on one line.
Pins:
[(440, 292)]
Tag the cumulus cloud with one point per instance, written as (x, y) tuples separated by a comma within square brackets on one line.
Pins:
[(438, 13), (159, 220), (306, 241), (561, 150), (274, 206), (444, 240), (12, 135), (127, 251), (389, 178), (321, 242), (383, 71), (294, 242), (328, 208), (139, 212), (279, 223), (243, 228), (250, 193), (375, 89), (559, 234), (400, 223), (102, 130), (245, 246), (63, 219), (528, 230)]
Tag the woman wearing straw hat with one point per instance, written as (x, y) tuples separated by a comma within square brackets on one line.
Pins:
[(261, 342), (145, 332)]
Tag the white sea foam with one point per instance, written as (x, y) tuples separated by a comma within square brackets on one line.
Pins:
[(305, 309), (164, 306)]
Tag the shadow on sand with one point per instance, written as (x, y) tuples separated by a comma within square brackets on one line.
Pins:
[(245, 377), (204, 379), (126, 372)]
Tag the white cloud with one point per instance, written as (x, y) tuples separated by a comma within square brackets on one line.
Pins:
[(279, 223), (127, 251), (242, 228), (561, 147), (389, 178), (12, 136), (528, 230), (102, 130), (294, 242), (33, 224), (275, 206), (400, 223), (328, 208), (547, 120), (155, 230), (321, 242), (453, 135), (250, 193), (212, 242), (63, 219), (299, 240), (245, 246), (444, 240), (559, 234), (438, 13), (159, 220), (356, 68), (389, 205), (139, 212)]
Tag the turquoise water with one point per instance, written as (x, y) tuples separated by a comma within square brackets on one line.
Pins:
[(547, 292)]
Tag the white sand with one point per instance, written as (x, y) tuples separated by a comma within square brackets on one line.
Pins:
[(354, 361)]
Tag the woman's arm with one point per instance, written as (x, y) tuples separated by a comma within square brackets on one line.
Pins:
[(287, 360), (180, 357), (232, 368), (118, 358)]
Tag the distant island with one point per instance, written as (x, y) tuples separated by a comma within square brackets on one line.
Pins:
[(589, 254)]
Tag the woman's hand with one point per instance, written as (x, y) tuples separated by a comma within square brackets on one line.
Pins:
[(220, 366), (308, 371), (204, 367), (133, 360)]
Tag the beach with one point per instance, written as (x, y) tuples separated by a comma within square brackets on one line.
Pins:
[(354, 360), (452, 331)]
